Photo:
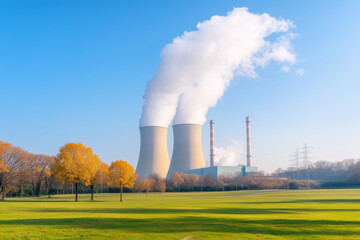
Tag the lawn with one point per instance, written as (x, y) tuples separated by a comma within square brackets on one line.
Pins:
[(298, 214)]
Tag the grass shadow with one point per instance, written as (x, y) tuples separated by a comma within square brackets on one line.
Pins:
[(203, 224), (231, 211), (329, 201)]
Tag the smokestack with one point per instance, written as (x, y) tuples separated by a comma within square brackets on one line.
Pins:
[(248, 142), (154, 156), (212, 155), (187, 152)]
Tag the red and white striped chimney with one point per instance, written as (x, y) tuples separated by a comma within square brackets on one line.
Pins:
[(248, 142), (212, 155)]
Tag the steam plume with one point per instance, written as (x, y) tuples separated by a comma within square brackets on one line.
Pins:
[(230, 155), (197, 67)]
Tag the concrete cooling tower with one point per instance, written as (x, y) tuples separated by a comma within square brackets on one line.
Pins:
[(187, 152), (154, 156)]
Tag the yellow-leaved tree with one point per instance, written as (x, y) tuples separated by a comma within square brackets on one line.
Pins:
[(102, 174), (99, 176), (75, 163), (121, 174)]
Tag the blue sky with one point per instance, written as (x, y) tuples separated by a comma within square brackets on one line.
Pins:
[(76, 71)]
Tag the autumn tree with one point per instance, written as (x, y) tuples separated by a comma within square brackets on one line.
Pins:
[(147, 185), (10, 160), (75, 163), (49, 177), (176, 180), (20, 181), (99, 175), (39, 164), (207, 181), (190, 180), (23, 175), (121, 174), (102, 174), (139, 185), (157, 183), (49, 180), (143, 185)]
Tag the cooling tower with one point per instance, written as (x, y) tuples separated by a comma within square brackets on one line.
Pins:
[(154, 156), (187, 152)]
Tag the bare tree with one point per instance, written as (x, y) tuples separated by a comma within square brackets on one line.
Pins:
[(190, 180), (158, 183), (176, 181), (10, 160), (354, 175), (39, 164)]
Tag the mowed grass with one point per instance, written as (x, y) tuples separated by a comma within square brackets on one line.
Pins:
[(300, 214)]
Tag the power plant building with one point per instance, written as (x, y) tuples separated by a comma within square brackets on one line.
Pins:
[(229, 171)]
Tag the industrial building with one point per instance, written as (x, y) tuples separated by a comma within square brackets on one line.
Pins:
[(228, 171)]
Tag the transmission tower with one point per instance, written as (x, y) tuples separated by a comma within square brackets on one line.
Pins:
[(295, 160), (305, 156)]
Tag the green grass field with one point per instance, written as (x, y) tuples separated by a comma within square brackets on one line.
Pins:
[(302, 214)]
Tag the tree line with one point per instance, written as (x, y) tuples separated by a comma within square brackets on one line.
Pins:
[(182, 182), (77, 168), (320, 171), (75, 163)]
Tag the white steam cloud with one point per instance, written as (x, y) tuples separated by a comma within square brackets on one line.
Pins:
[(230, 155), (197, 67)]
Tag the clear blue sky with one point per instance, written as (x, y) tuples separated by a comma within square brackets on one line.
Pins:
[(76, 71)]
